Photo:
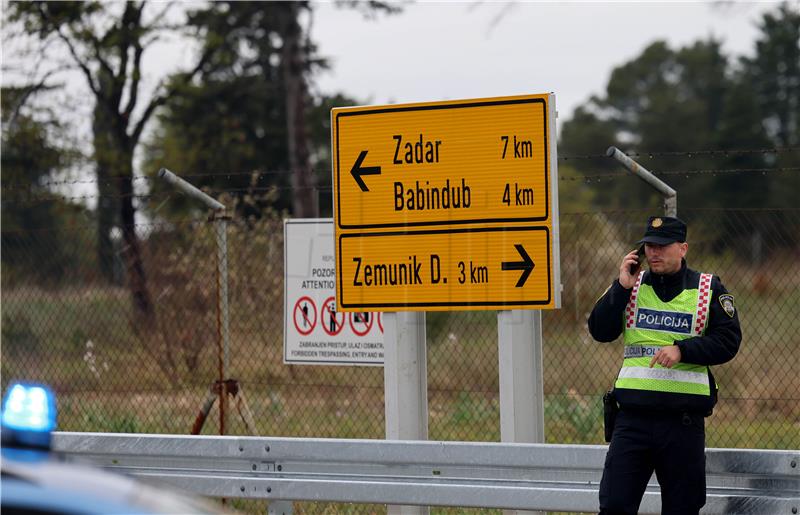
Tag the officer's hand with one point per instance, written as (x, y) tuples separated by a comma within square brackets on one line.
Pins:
[(667, 356), (626, 278)]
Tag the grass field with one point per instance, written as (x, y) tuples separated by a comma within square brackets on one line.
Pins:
[(110, 378)]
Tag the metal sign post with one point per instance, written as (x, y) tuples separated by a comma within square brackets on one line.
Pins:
[(405, 376), (405, 382), (519, 334)]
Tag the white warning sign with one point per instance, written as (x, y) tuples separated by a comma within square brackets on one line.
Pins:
[(314, 332)]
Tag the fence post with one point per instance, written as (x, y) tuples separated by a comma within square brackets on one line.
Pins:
[(220, 218), (669, 194)]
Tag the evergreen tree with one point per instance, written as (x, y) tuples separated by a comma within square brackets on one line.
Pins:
[(36, 247)]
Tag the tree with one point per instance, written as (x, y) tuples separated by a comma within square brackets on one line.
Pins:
[(661, 101), (249, 125), (35, 245), (664, 104), (233, 121), (772, 77), (696, 98), (107, 43), (771, 82), (295, 52), (775, 74), (267, 50)]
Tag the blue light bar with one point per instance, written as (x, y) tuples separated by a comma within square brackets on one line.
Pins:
[(29, 414)]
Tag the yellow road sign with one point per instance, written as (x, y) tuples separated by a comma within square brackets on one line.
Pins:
[(446, 205), (443, 269), (442, 163)]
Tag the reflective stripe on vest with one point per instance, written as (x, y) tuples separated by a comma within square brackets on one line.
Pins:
[(651, 324)]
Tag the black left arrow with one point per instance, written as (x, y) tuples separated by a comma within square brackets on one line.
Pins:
[(357, 171), (526, 265)]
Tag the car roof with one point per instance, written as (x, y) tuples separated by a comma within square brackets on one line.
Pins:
[(30, 497), (30, 471)]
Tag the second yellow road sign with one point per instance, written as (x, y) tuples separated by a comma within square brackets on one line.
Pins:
[(434, 270)]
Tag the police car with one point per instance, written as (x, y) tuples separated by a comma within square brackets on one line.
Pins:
[(37, 481)]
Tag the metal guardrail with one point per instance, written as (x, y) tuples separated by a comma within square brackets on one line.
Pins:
[(484, 475)]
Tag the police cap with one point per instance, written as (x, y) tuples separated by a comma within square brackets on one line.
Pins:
[(663, 230)]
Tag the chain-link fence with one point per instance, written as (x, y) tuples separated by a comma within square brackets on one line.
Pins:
[(113, 372)]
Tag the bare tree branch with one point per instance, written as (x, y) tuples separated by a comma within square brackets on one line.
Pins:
[(131, 16), (154, 104), (28, 91), (161, 15), (161, 99), (135, 79), (81, 64), (95, 42)]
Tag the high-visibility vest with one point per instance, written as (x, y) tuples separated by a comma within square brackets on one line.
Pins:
[(650, 324)]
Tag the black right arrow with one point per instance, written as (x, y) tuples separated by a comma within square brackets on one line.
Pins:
[(526, 265), (357, 171)]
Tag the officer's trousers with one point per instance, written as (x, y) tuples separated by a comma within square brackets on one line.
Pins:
[(672, 445)]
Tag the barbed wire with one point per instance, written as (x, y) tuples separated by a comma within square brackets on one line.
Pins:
[(687, 153), (728, 171), (628, 211), (110, 179), (199, 220), (50, 197), (30, 196), (92, 224), (285, 172)]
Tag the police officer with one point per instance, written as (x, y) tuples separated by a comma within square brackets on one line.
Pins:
[(675, 323)]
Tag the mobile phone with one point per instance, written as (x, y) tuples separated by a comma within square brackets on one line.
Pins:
[(640, 260)]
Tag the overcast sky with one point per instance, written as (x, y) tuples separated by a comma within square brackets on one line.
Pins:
[(469, 49), (452, 50)]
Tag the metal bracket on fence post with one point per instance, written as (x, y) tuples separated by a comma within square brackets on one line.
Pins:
[(190, 190), (220, 218), (669, 194)]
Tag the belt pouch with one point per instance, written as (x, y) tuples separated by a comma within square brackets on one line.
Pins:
[(610, 410)]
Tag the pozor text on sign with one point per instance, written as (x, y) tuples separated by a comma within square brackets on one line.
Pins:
[(321, 278), (442, 163)]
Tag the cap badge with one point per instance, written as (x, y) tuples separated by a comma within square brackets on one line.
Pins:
[(656, 223)]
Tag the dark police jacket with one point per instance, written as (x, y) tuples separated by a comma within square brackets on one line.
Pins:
[(719, 343)]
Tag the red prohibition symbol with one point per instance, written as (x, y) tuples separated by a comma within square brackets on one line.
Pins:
[(332, 322), (361, 323), (305, 315), (380, 321)]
